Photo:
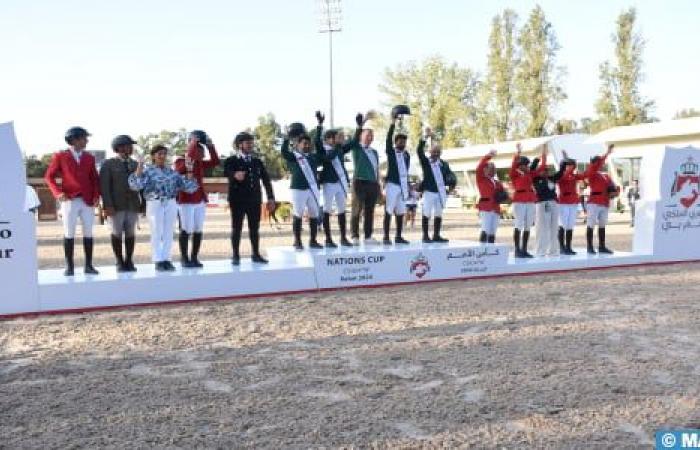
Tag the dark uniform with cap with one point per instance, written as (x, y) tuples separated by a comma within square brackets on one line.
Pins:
[(122, 203), (245, 197)]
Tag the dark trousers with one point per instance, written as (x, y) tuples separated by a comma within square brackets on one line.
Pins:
[(364, 199), (240, 210)]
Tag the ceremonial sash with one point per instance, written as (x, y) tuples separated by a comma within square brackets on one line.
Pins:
[(339, 171), (308, 172), (439, 181), (403, 174)]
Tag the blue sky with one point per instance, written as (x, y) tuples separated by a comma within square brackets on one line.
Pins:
[(139, 66)]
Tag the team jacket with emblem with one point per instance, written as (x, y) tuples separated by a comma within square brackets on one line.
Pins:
[(392, 173), (487, 188), (77, 180), (429, 183), (598, 183), (248, 190), (198, 169), (328, 173), (522, 181)]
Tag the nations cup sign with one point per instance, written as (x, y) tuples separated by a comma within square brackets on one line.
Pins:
[(668, 217), (18, 264)]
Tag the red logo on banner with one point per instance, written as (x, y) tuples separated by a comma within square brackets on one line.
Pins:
[(687, 183), (420, 266)]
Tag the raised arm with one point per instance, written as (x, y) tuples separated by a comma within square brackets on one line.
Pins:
[(421, 146), (213, 160), (483, 162), (390, 137), (354, 142), (318, 139), (286, 153)]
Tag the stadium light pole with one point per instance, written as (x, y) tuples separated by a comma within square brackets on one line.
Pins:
[(330, 17)]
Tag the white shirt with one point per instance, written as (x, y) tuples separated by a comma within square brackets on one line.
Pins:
[(76, 155)]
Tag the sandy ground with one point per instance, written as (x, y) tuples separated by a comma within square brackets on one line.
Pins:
[(581, 360)]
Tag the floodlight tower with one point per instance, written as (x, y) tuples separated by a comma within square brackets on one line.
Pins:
[(329, 22)]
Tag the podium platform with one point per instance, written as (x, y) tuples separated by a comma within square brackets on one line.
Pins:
[(292, 271)]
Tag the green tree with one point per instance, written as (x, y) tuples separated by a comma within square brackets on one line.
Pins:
[(35, 166), (538, 79), (497, 119), (176, 141), (686, 113), (267, 134), (620, 101), (439, 94)]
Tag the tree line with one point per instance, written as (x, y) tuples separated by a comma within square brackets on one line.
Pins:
[(517, 96)]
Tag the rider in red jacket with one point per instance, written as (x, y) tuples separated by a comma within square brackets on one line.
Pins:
[(524, 198), (602, 189), (568, 200), (488, 205), (192, 207), (78, 193)]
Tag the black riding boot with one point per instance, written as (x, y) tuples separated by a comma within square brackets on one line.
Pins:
[(560, 237), (491, 238), (342, 225), (88, 245), (184, 241), (437, 226), (196, 244), (601, 242), (589, 241), (296, 229), (387, 225), (118, 253), (327, 230), (399, 229), (523, 247), (68, 249), (516, 242), (313, 230), (425, 223), (482, 237), (129, 245), (235, 244), (569, 238)]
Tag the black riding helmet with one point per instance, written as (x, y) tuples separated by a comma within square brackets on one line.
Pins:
[(200, 135), (120, 140), (75, 133), (242, 137)]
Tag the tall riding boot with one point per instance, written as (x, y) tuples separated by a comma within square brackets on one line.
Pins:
[(184, 241), (196, 244), (601, 242), (88, 245), (516, 242), (129, 245), (491, 238), (68, 246), (313, 230), (482, 237), (255, 247), (425, 223), (327, 230), (387, 225), (437, 226), (118, 253), (296, 229), (589, 240), (523, 247), (560, 237), (235, 244), (399, 229), (342, 225), (569, 238)]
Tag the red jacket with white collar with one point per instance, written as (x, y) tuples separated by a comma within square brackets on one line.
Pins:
[(598, 183), (522, 180), (568, 187), (200, 165), (487, 188), (77, 180)]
